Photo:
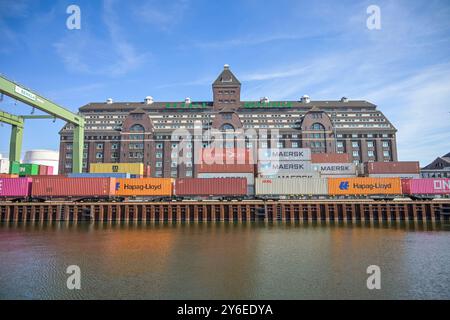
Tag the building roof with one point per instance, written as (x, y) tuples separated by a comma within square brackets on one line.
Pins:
[(226, 78)]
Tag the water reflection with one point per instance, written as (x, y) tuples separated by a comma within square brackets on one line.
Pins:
[(229, 260)]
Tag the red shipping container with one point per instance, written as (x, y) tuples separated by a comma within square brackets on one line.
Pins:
[(15, 187), (223, 168), (60, 187), (330, 158), (426, 186), (226, 156), (412, 167), (211, 187)]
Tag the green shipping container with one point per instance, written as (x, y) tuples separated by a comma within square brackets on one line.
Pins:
[(27, 169), (14, 167)]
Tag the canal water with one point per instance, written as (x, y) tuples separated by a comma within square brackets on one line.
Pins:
[(225, 260)]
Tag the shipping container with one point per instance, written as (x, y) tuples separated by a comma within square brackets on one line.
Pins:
[(249, 176), (364, 186), (144, 187), (61, 187), (283, 167), (132, 168), (426, 186), (14, 167), (304, 175), (15, 187), (28, 169), (392, 167), (211, 187), (45, 170), (4, 166), (291, 186), (3, 175), (330, 158), (284, 154), (335, 168), (98, 175), (226, 156), (232, 168), (396, 175)]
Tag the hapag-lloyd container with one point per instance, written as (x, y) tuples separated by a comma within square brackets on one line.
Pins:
[(291, 186), (144, 187), (59, 187), (330, 158), (15, 187), (211, 187), (284, 154), (364, 186), (426, 186)]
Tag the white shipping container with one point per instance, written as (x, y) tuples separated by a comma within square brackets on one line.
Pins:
[(396, 175), (285, 154), (4, 166), (335, 168), (249, 176), (292, 186), (305, 175), (284, 168)]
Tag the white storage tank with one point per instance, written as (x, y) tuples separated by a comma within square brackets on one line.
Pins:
[(4, 165), (43, 157)]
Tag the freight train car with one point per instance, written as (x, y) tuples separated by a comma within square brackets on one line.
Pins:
[(291, 188), (430, 188), (150, 189), (375, 188), (15, 189)]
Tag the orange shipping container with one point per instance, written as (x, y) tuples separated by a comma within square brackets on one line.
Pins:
[(330, 158), (363, 186), (144, 187)]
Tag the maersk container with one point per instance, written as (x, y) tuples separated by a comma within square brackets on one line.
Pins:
[(284, 168), (28, 169), (335, 168), (426, 186), (131, 168), (211, 187), (291, 186), (99, 175), (61, 187), (14, 167), (284, 154), (15, 187)]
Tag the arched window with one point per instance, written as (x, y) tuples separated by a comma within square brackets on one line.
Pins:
[(227, 127), (317, 126), (137, 128)]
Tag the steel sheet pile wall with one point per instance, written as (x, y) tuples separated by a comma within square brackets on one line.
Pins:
[(144, 187), (15, 187), (291, 186), (211, 187), (56, 187), (364, 186), (426, 186)]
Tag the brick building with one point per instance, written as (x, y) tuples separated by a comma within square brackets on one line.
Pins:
[(143, 131)]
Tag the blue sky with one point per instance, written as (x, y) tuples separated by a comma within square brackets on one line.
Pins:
[(170, 50)]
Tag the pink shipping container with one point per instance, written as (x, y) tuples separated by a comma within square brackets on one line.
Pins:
[(426, 186), (45, 170), (61, 187), (15, 187), (392, 167), (211, 187)]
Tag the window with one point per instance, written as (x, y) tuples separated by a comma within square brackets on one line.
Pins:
[(355, 144), (99, 145), (158, 155), (68, 156), (249, 145), (355, 154), (158, 164), (317, 126), (115, 146), (137, 128), (227, 116), (280, 144), (174, 164), (99, 155), (370, 153), (173, 174), (386, 154), (294, 144), (227, 127), (188, 173), (174, 145), (369, 144), (385, 144), (158, 174), (340, 144), (264, 145)]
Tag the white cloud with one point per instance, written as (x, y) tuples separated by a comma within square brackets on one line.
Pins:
[(164, 15)]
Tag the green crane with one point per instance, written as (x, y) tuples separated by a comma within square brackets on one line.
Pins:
[(18, 92)]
